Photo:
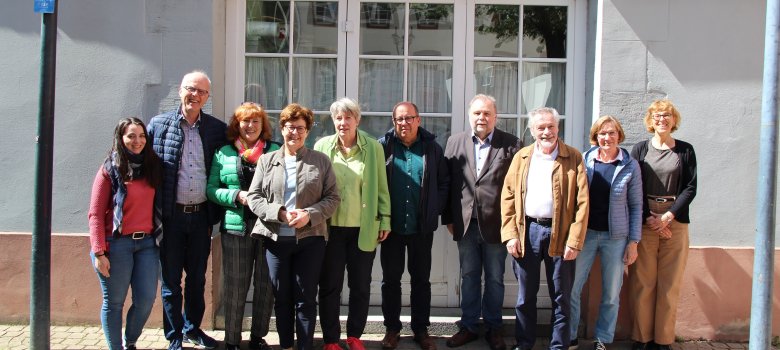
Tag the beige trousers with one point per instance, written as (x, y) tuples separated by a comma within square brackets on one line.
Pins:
[(654, 284)]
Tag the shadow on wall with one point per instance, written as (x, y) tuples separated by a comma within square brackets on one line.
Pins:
[(726, 304)]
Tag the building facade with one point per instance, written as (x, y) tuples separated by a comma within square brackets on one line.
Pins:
[(585, 58)]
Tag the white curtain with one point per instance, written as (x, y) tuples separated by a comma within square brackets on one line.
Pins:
[(429, 85), (266, 82)]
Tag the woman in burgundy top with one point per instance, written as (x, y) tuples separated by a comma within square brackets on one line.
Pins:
[(125, 229)]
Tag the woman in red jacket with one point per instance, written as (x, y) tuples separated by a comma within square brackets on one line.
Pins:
[(125, 228)]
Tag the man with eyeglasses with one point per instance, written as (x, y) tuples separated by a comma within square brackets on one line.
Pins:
[(185, 139), (418, 180), (478, 160)]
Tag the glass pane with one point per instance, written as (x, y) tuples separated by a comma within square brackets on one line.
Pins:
[(376, 125), (544, 31), (381, 28), (266, 82), (430, 86), (498, 79), (315, 26), (509, 125), (544, 85), (439, 126), (381, 84), (430, 28), (323, 126), (266, 26), (496, 29), (314, 82)]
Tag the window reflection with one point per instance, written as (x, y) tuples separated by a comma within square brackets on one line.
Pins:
[(315, 27), (430, 29), (266, 26), (544, 85), (496, 29), (381, 28), (544, 31)]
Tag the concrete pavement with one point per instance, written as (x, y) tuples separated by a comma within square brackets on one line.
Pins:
[(91, 337)]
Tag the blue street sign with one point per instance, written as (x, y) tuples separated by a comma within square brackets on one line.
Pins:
[(44, 6)]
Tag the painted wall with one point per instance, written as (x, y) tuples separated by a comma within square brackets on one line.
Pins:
[(707, 57), (114, 59)]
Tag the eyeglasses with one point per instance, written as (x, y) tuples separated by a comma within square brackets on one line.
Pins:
[(292, 129), (661, 116), (408, 119), (194, 90)]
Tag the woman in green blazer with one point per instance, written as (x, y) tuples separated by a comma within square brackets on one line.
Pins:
[(359, 224), (243, 256)]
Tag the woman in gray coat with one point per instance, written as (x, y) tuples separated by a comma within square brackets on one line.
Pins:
[(293, 194)]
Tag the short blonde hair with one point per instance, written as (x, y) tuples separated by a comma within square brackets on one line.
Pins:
[(662, 106), (594, 129)]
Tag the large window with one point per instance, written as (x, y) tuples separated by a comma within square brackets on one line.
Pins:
[(435, 53)]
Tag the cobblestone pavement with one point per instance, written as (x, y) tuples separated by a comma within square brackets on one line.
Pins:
[(91, 337)]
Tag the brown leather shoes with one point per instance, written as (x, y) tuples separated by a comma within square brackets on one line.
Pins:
[(425, 341), (463, 337), (390, 341), (495, 340)]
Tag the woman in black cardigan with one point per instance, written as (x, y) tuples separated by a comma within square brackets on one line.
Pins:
[(669, 185)]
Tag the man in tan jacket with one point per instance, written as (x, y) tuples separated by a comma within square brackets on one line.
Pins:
[(544, 211)]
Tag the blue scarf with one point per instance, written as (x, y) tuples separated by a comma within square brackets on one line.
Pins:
[(119, 190)]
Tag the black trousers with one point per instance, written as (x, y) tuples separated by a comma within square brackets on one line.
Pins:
[(342, 251)]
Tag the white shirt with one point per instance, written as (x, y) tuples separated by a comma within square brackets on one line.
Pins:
[(538, 195)]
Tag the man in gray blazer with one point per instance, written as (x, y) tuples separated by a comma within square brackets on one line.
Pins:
[(478, 161)]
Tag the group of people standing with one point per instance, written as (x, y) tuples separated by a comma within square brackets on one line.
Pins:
[(293, 219)]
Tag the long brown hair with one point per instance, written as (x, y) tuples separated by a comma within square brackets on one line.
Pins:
[(151, 163)]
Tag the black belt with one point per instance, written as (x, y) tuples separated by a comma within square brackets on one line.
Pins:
[(661, 199), (190, 208), (546, 222), (137, 235)]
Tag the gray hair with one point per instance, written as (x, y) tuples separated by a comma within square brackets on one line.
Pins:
[(196, 72), (538, 112), (345, 105), (484, 97)]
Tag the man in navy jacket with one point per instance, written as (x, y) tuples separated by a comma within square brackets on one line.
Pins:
[(185, 139), (419, 180)]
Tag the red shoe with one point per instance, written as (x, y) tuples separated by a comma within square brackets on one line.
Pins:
[(332, 346), (354, 344)]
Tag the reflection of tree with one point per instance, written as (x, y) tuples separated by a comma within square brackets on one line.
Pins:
[(548, 25), (544, 23)]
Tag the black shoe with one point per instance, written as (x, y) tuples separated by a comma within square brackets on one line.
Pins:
[(258, 343), (232, 347), (175, 345), (598, 345), (518, 347), (638, 345), (199, 338), (574, 344), (663, 347), (130, 347)]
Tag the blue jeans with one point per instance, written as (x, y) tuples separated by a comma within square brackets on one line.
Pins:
[(475, 255), (294, 268), (560, 278), (136, 264), (611, 252), (391, 255), (185, 247)]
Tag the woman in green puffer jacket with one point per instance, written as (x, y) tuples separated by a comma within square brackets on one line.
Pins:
[(243, 256)]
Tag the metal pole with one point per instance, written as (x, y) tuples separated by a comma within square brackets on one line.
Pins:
[(764, 260), (40, 263)]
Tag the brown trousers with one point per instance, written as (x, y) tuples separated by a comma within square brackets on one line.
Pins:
[(654, 284)]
